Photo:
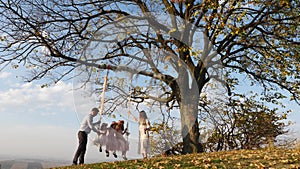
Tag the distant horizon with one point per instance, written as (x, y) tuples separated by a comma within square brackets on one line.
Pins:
[(6, 157), (32, 163)]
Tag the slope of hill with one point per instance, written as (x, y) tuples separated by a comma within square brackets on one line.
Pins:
[(263, 158)]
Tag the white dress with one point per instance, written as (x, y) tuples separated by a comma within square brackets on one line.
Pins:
[(144, 141), (101, 139)]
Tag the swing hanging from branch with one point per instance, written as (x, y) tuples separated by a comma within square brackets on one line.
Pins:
[(103, 96)]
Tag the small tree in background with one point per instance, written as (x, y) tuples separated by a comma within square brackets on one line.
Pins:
[(164, 138), (244, 125)]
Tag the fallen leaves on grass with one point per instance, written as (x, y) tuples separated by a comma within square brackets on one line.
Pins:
[(262, 158)]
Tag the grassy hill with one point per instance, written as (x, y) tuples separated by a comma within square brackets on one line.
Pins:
[(262, 159)]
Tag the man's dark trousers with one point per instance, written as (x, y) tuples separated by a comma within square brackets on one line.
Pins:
[(82, 137)]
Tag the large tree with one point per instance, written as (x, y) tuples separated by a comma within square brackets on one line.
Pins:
[(254, 40)]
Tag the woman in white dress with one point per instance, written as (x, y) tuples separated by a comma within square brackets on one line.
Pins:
[(144, 141)]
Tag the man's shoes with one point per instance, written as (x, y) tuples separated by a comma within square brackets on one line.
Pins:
[(74, 163), (107, 153)]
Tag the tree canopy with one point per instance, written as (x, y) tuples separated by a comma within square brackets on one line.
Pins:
[(175, 47)]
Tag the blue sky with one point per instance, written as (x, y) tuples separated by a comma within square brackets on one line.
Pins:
[(43, 122)]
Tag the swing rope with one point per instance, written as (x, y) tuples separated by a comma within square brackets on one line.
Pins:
[(128, 107), (129, 103), (103, 96)]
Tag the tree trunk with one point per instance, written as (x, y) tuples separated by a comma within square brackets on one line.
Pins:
[(188, 103), (190, 128)]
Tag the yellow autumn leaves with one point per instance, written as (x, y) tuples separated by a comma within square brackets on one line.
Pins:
[(240, 159)]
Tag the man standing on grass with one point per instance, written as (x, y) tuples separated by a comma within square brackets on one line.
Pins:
[(85, 128)]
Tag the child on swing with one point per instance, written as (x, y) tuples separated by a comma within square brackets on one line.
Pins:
[(123, 145), (102, 138), (111, 144)]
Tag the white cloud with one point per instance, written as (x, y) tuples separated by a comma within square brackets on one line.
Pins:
[(32, 97), (4, 75)]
